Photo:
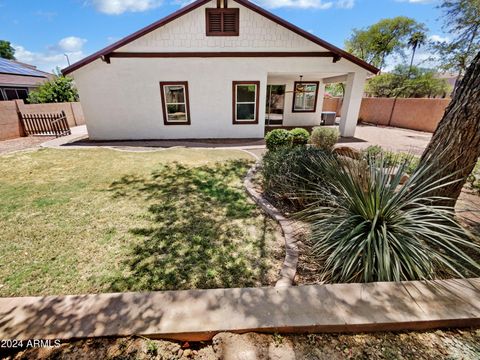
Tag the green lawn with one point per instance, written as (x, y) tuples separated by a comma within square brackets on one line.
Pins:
[(99, 220)]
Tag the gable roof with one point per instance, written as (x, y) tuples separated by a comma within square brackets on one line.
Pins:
[(246, 3)]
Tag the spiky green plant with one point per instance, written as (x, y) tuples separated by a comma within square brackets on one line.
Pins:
[(375, 229)]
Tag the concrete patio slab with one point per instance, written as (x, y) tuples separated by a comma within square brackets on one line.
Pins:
[(78, 133), (200, 314), (389, 138)]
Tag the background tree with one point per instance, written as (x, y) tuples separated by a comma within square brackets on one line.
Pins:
[(6, 50), (335, 89), (387, 37), (455, 145), (60, 89), (416, 40), (406, 81), (461, 19)]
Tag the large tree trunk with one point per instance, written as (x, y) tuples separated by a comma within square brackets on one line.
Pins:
[(455, 145)]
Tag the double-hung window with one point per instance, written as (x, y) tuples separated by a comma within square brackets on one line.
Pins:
[(175, 103), (245, 102), (305, 96)]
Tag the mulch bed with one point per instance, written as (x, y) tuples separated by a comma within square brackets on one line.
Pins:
[(427, 345)]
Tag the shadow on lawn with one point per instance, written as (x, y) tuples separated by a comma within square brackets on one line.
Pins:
[(203, 231)]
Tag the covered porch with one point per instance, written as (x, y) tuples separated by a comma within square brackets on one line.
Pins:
[(296, 99)]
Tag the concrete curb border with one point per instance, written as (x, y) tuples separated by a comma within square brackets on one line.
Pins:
[(289, 267), (194, 315)]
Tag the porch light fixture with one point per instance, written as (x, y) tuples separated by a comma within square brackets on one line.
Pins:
[(299, 87)]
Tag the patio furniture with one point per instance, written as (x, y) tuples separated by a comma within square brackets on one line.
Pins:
[(328, 117)]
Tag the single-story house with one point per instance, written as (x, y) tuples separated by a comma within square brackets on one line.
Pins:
[(17, 79), (214, 69)]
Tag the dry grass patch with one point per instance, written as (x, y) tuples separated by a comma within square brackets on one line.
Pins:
[(88, 221)]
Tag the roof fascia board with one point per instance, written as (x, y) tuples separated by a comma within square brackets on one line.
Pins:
[(246, 3)]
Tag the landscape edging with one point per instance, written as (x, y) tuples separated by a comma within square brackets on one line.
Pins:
[(289, 266)]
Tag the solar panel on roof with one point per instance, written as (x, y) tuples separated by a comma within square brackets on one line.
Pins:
[(10, 67)]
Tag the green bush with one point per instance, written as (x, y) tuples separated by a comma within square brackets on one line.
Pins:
[(278, 138), (375, 230), (59, 89), (324, 137), (375, 153), (299, 136), (288, 176)]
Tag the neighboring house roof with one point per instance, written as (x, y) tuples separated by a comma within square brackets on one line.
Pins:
[(337, 52), (16, 68), (14, 73)]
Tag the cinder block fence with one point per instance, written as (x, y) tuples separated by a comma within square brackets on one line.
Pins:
[(10, 123), (414, 114)]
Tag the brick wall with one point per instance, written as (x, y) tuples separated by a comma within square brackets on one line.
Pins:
[(73, 111)]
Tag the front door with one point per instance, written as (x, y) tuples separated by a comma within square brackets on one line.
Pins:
[(275, 104)]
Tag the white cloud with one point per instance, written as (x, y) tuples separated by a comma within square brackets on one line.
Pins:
[(302, 4), (54, 56), (439, 38), (117, 7), (72, 43), (112, 39), (417, 1), (345, 4), (307, 4), (47, 15)]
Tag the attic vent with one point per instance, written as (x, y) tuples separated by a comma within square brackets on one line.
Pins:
[(222, 22)]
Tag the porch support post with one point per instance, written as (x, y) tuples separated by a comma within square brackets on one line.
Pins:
[(351, 103)]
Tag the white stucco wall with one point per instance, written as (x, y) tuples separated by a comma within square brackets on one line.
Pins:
[(121, 100), (187, 33)]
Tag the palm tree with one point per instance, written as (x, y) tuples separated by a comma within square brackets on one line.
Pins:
[(417, 40)]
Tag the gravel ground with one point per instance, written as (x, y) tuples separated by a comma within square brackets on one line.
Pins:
[(446, 344), (23, 143)]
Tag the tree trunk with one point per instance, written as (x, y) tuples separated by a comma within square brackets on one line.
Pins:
[(455, 145)]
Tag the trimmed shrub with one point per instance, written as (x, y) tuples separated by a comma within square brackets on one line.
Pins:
[(300, 137), (324, 137), (289, 174), (278, 138)]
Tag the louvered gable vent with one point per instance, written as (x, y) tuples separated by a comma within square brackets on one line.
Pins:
[(222, 22)]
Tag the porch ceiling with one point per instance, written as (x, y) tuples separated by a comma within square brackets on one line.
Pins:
[(306, 76)]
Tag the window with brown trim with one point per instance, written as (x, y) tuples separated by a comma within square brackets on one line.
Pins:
[(175, 103), (305, 96), (222, 22), (245, 102)]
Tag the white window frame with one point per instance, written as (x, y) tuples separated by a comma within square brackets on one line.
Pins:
[(236, 120)]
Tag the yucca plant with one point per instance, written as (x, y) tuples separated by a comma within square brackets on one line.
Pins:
[(374, 229)]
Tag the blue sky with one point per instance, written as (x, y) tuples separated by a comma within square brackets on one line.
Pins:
[(42, 31)]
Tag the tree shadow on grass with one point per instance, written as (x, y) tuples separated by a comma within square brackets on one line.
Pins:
[(203, 231)]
